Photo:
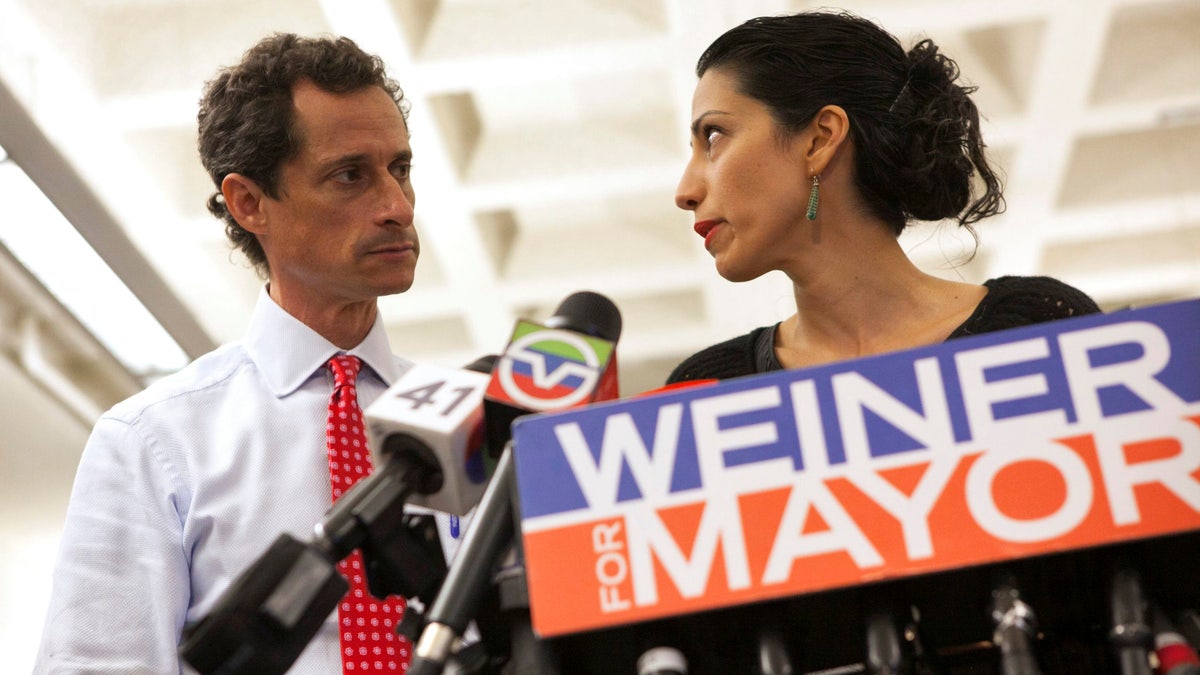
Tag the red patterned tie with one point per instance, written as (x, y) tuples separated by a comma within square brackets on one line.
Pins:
[(367, 625)]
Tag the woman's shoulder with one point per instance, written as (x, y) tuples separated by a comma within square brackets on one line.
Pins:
[(1014, 301), (732, 358)]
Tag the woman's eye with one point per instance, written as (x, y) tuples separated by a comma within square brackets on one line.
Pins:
[(711, 134)]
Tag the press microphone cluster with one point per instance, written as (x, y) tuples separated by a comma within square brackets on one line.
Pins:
[(270, 613), (1142, 637), (426, 436), (460, 420), (567, 361), (435, 443)]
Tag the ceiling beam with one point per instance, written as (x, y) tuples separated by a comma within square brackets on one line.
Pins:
[(57, 178)]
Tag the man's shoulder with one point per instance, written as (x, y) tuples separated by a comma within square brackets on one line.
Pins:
[(206, 372)]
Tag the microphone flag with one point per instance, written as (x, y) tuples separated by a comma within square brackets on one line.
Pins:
[(546, 368), (1007, 445), (437, 412)]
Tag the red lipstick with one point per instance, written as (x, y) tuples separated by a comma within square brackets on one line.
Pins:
[(706, 228)]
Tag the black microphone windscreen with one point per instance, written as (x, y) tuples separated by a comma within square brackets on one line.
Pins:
[(483, 364), (588, 313)]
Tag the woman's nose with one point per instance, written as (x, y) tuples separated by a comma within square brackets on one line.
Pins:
[(688, 192)]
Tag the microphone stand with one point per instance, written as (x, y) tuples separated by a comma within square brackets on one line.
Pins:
[(885, 651), (268, 615), (1131, 636), (471, 573), (1016, 629)]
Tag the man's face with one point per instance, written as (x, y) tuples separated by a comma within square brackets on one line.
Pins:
[(341, 230)]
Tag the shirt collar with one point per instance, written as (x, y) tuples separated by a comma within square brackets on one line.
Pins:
[(287, 352)]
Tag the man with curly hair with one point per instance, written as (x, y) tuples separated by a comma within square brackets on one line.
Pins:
[(182, 486)]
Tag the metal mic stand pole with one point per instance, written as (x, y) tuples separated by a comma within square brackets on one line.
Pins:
[(270, 612), (470, 573), (1130, 636)]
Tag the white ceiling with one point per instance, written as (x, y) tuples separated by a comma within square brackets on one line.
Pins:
[(548, 136)]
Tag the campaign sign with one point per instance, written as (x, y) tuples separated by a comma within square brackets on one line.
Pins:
[(1006, 445)]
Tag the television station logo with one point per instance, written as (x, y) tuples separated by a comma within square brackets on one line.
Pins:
[(547, 368)]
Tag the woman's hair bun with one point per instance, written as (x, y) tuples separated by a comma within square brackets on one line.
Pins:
[(942, 147)]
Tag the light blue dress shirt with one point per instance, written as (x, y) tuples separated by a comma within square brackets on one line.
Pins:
[(182, 486)]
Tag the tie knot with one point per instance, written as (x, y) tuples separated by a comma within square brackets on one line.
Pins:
[(345, 369)]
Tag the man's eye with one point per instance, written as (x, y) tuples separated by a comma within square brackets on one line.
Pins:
[(402, 171), (346, 175)]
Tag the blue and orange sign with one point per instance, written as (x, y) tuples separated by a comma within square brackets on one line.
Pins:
[(1007, 445)]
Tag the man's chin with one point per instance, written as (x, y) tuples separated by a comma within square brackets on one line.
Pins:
[(396, 288)]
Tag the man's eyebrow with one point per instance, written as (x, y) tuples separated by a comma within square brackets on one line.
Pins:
[(353, 158), (360, 157)]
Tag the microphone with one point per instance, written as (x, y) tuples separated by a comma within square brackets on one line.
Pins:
[(1175, 655), (1016, 628), (885, 650), (271, 611), (1188, 624), (896, 644), (566, 361), (1130, 635), (436, 412), (425, 434), (662, 661), (773, 655), (268, 615)]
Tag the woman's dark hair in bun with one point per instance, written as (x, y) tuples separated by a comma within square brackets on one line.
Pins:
[(915, 131)]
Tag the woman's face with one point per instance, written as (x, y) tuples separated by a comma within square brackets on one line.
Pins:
[(748, 190)]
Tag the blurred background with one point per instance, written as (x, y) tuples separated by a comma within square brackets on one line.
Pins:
[(548, 139)]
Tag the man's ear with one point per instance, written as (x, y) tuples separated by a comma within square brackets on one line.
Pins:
[(827, 134), (244, 199)]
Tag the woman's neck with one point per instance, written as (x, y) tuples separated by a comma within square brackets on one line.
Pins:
[(871, 301)]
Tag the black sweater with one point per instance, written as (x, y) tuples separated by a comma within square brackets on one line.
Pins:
[(1010, 302)]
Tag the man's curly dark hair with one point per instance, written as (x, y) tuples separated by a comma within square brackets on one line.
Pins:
[(246, 113)]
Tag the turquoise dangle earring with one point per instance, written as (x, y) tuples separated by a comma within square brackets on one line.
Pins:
[(814, 196)]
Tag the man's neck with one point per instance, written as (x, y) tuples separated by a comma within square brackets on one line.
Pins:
[(345, 324)]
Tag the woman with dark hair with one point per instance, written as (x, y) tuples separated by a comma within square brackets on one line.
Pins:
[(816, 139)]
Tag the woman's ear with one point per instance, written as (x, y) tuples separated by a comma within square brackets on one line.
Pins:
[(827, 134), (244, 200)]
